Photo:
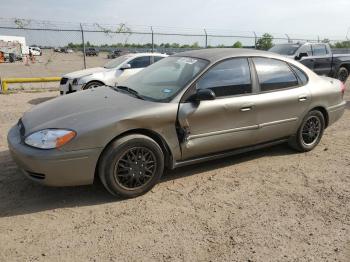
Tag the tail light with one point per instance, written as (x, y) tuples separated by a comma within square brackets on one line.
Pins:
[(342, 88)]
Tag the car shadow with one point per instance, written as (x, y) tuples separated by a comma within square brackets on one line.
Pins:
[(278, 150), (39, 100), (19, 195)]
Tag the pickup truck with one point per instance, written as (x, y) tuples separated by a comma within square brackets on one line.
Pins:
[(91, 51), (318, 57)]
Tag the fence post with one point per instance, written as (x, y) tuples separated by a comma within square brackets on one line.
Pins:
[(206, 38), (83, 40), (152, 39), (255, 39), (288, 38)]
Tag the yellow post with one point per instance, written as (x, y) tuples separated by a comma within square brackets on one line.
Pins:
[(6, 81), (4, 87)]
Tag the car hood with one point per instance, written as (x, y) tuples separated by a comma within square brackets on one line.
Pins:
[(85, 72), (80, 110)]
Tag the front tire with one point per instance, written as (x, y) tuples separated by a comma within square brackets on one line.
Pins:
[(343, 74), (92, 84), (131, 166), (309, 133)]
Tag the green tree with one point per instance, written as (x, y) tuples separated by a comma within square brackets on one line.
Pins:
[(265, 42), (343, 44), (195, 45), (238, 44), (175, 45)]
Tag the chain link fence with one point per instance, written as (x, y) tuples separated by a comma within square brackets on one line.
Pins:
[(63, 43)]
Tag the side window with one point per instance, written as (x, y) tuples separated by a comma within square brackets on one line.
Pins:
[(157, 58), (140, 62), (274, 74), (305, 49), (301, 75), (319, 50), (231, 77)]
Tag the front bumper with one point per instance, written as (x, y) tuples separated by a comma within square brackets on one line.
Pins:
[(53, 167)]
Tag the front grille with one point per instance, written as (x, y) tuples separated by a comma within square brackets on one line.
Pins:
[(36, 175), (63, 81)]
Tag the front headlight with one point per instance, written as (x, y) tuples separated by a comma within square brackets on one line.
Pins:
[(75, 81), (49, 138)]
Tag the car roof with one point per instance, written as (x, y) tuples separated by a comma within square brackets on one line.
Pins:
[(217, 54), (147, 54)]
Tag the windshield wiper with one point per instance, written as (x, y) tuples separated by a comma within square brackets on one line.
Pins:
[(130, 91)]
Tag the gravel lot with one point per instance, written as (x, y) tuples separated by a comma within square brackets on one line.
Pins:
[(268, 205), (52, 64)]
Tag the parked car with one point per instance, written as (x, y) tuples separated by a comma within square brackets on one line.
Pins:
[(114, 54), (185, 109), (114, 71), (36, 51), (65, 50), (91, 51), (318, 57)]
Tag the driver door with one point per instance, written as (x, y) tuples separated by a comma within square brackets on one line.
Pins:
[(229, 121)]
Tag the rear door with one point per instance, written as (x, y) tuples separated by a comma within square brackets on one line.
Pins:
[(283, 99), (322, 59), (308, 60), (229, 121)]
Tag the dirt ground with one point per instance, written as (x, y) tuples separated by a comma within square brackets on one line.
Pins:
[(268, 205), (52, 64)]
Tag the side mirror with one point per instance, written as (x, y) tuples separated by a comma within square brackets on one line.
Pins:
[(125, 66), (203, 94), (300, 56)]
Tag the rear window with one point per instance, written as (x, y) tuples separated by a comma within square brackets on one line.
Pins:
[(274, 74), (319, 50), (301, 75)]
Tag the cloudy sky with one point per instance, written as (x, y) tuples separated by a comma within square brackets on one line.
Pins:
[(325, 18)]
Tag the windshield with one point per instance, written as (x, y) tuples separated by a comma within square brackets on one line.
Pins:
[(285, 49), (164, 79), (116, 62)]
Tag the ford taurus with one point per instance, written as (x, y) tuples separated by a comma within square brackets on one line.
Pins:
[(186, 108)]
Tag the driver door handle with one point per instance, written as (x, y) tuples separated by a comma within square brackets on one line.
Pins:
[(302, 98), (246, 108)]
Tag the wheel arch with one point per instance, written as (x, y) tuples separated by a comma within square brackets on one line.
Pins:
[(168, 158), (96, 81), (346, 65), (324, 112)]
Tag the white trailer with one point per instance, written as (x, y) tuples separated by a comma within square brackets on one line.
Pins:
[(11, 44)]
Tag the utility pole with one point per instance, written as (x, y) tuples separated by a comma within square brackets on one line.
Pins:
[(152, 39), (206, 38), (82, 38), (255, 39)]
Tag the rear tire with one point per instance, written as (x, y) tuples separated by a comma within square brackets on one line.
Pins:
[(309, 133), (343, 74), (131, 166)]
